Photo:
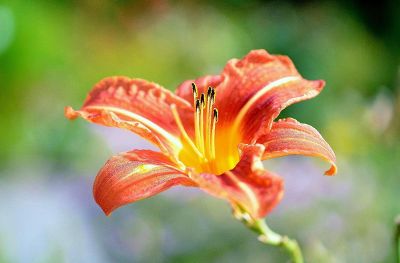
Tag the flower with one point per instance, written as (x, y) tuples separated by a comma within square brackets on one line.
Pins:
[(212, 133)]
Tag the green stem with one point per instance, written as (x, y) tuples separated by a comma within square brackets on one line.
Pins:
[(267, 236), (397, 238)]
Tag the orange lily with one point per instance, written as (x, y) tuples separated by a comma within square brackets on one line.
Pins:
[(213, 133)]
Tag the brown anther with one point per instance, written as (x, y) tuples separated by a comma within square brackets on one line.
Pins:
[(212, 96), (216, 115), (209, 91), (202, 100), (194, 89)]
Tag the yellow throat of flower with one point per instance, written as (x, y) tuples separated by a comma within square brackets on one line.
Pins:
[(205, 153)]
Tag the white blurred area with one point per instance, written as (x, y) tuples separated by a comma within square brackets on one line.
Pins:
[(47, 219)]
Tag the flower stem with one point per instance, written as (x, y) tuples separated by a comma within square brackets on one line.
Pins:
[(397, 238), (267, 236)]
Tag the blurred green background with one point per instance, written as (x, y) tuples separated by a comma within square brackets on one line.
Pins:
[(53, 52)]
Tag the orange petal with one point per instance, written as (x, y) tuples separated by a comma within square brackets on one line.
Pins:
[(289, 136), (137, 105), (248, 185), (135, 175), (256, 88), (108, 118)]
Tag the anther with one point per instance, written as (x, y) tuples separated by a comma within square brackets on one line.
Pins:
[(209, 91), (202, 100), (197, 105), (212, 96), (216, 115), (194, 89)]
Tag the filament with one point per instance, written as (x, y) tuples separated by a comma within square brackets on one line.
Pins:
[(205, 120), (202, 123), (197, 122), (183, 131), (214, 122), (208, 122)]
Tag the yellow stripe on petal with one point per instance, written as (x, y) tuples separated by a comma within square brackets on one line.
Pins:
[(151, 125), (280, 82)]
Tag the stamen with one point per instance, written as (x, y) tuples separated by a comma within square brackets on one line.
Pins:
[(194, 89), (197, 123), (210, 101), (215, 120), (195, 92), (202, 105), (212, 95), (205, 119), (209, 91), (216, 115), (202, 99), (196, 103), (183, 131)]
